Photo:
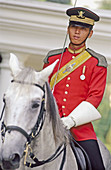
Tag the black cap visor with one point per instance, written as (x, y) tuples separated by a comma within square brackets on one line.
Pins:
[(79, 24)]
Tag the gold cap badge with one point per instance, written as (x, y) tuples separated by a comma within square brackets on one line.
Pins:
[(81, 14)]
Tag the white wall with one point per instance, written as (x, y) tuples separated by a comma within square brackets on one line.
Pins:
[(30, 29)]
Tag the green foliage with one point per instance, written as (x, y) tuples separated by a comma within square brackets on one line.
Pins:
[(105, 4), (103, 126)]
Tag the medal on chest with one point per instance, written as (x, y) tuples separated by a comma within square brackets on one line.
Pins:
[(69, 67), (82, 76)]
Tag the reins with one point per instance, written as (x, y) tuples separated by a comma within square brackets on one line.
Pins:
[(3, 110), (50, 159), (34, 133)]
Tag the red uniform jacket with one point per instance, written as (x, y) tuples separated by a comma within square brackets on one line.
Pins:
[(71, 90)]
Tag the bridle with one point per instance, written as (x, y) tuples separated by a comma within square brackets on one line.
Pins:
[(39, 123), (34, 133)]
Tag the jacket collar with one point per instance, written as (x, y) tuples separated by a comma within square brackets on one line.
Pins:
[(79, 50)]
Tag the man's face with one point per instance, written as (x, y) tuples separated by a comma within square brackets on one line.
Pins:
[(78, 34)]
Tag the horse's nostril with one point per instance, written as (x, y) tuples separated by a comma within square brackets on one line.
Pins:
[(15, 158), (12, 163)]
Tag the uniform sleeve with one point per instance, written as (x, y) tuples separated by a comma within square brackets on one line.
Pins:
[(97, 86), (45, 65), (50, 61)]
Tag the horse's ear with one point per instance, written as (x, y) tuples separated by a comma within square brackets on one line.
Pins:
[(48, 70), (14, 65)]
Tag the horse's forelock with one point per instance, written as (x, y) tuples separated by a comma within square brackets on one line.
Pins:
[(26, 75)]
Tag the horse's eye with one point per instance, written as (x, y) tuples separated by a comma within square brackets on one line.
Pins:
[(35, 105)]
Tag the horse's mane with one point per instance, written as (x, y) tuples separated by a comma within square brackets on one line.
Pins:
[(59, 131)]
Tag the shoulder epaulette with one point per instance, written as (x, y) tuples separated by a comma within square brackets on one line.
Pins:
[(52, 53), (101, 59)]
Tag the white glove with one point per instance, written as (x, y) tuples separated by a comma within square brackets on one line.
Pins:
[(68, 122), (84, 113)]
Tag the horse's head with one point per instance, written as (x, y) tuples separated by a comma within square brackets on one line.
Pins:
[(23, 101)]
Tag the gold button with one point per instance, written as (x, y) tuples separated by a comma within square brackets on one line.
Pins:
[(73, 57), (66, 92), (64, 100), (67, 85), (63, 107), (64, 114), (68, 78)]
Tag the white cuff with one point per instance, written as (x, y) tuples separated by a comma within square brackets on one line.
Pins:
[(84, 113)]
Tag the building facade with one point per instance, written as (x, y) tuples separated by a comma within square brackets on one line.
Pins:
[(29, 29)]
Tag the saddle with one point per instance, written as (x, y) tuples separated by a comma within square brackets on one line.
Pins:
[(82, 158)]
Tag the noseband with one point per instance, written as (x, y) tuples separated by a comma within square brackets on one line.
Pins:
[(39, 123)]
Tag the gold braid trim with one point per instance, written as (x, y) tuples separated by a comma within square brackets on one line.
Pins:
[(83, 20), (70, 67)]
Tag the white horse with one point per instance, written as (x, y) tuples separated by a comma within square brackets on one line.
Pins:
[(31, 125)]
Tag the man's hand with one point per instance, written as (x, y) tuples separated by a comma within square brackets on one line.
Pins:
[(68, 122)]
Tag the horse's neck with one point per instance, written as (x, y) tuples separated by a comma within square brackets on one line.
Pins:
[(45, 145)]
